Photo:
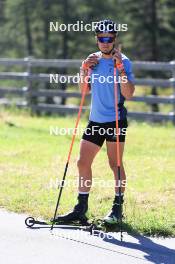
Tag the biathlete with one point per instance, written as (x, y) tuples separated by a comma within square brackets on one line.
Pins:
[(102, 118)]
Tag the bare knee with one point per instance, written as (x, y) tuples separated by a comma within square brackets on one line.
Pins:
[(113, 165), (82, 163)]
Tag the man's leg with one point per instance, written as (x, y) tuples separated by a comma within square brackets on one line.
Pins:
[(88, 151), (116, 211), (112, 157)]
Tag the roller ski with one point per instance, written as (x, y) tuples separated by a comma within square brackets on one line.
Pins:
[(79, 224), (77, 217)]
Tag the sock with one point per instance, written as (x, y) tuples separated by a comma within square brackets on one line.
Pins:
[(83, 192), (117, 194), (117, 198), (83, 197)]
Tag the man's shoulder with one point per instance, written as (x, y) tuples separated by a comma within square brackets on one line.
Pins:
[(124, 57)]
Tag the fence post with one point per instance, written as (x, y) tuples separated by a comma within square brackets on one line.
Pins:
[(29, 82), (173, 75)]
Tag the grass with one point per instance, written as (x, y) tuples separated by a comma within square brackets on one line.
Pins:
[(32, 161)]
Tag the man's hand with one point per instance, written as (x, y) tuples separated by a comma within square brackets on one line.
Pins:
[(91, 61), (117, 56)]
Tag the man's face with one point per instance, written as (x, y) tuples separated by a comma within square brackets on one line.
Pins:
[(105, 47)]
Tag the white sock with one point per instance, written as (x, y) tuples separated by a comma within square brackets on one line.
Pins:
[(83, 192), (117, 194)]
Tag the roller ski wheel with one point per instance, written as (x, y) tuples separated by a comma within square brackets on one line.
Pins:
[(100, 224), (29, 221), (92, 228)]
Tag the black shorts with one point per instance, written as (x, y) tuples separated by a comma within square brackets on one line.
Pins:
[(97, 133)]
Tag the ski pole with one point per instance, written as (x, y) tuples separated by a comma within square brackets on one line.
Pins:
[(71, 146), (118, 145)]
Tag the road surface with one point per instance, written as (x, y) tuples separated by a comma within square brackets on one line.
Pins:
[(22, 245)]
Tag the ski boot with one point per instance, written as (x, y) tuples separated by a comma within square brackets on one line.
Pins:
[(78, 214), (114, 216)]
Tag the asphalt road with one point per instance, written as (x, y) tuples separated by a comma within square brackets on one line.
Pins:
[(22, 245)]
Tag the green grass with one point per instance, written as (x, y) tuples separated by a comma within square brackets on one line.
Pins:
[(32, 161)]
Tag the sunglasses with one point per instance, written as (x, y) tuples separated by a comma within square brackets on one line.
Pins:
[(105, 39)]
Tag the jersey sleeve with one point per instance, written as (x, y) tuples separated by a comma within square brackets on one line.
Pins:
[(128, 69)]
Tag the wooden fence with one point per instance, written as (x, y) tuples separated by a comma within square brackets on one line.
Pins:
[(28, 92)]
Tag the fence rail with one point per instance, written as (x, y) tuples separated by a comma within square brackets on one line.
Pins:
[(71, 63), (151, 99), (27, 92), (46, 78)]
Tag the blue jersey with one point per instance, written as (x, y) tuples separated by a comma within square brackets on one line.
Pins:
[(102, 91)]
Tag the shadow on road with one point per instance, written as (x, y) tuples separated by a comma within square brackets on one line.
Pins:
[(154, 252)]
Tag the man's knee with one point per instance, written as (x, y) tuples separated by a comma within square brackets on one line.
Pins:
[(113, 164), (82, 163)]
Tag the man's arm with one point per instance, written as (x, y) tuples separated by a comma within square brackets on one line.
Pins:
[(127, 87), (83, 80), (91, 60)]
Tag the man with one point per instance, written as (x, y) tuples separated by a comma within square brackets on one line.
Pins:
[(103, 116)]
